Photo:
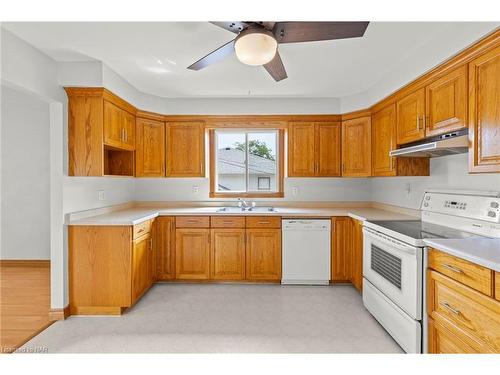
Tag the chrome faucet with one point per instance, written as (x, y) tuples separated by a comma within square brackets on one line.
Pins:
[(244, 205)]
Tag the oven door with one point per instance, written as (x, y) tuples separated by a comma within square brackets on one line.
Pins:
[(395, 269)]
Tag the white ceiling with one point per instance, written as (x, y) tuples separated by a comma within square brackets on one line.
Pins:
[(153, 57)]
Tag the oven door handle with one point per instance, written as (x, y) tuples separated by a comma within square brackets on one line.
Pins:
[(401, 246)]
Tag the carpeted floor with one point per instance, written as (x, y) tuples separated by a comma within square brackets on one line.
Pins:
[(221, 318)]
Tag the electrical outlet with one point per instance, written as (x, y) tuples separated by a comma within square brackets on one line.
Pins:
[(100, 195), (196, 189), (295, 190)]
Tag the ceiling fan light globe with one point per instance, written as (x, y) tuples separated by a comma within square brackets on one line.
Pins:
[(255, 47)]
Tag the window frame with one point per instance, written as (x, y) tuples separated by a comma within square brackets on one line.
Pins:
[(280, 153)]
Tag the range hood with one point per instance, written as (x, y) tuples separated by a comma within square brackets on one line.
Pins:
[(445, 144)]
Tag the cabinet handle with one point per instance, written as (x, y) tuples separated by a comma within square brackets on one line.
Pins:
[(452, 268), (125, 135), (421, 123), (264, 222), (140, 230), (447, 306)]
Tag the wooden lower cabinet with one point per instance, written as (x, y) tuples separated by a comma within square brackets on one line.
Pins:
[(263, 254), (142, 266), (192, 254), (227, 254), (357, 254), (341, 256), (164, 244), (108, 269), (461, 318)]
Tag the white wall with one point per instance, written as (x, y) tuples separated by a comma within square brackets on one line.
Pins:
[(309, 189), (25, 192), (447, 172)]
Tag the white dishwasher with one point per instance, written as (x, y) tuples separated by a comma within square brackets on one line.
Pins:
[(305, 252)]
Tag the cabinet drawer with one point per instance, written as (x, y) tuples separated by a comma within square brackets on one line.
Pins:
[(263, 222), (192, 222), (142, 228), (227, 222), (473, 275), (445, 338), (472, 313)]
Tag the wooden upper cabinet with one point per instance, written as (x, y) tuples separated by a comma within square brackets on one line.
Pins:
[(384, 141), (185, 149), (314, 149), (192, 254), (356, 147), (411, 117), (263, 254), (150, 148), (484, 112), (328, 140), (301, 149), (446, 103), (119, 127), (227, 254)]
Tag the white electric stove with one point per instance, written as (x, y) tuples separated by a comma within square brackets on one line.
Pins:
[(395, 257)]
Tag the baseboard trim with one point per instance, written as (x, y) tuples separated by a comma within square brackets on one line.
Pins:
[(59, 314), (25, 262)]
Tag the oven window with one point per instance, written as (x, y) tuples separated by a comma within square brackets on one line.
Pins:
[(386, 265)]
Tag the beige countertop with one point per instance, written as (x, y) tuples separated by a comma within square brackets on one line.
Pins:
[(482, 251), (135, 215)]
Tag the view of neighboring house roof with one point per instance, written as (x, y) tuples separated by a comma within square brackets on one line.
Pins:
[(232, 161)]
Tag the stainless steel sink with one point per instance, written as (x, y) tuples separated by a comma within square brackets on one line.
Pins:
[(229, 209)]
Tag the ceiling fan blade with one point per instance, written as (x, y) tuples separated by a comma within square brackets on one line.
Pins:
[(214, 56), (294, 32), (233, 26), (276, 68)]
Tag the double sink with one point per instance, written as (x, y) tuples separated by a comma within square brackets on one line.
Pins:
[(231, 209)]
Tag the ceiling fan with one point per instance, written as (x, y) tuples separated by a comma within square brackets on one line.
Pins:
[(256, 43)]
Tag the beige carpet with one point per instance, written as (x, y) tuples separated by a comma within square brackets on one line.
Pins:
[(220, 318)]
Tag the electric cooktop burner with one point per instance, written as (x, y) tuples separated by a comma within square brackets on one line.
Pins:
[(419, 230)]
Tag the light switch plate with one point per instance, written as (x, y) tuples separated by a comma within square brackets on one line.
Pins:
[(196, 189), (295, 190), (100, 195)]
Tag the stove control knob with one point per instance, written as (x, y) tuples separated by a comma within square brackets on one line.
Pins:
[(426, 204), (494, 204), (428, 197), (492, 213)]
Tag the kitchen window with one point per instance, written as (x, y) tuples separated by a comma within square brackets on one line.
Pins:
[(246, 163)]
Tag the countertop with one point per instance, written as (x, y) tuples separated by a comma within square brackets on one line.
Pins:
[(482, 251), (136, 215)]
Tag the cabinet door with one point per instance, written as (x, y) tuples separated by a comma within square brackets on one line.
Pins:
[(185, 149), (164, 241), (141, 266), (356, 147), (446, 103), (128, 124), (150, 150), (227, 254), (341, 259), (328, 139), (113, 126), (484, 113), (357, 254), (263, 254), (192, 254), (301, 149), (384, 141), (411, 117)]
